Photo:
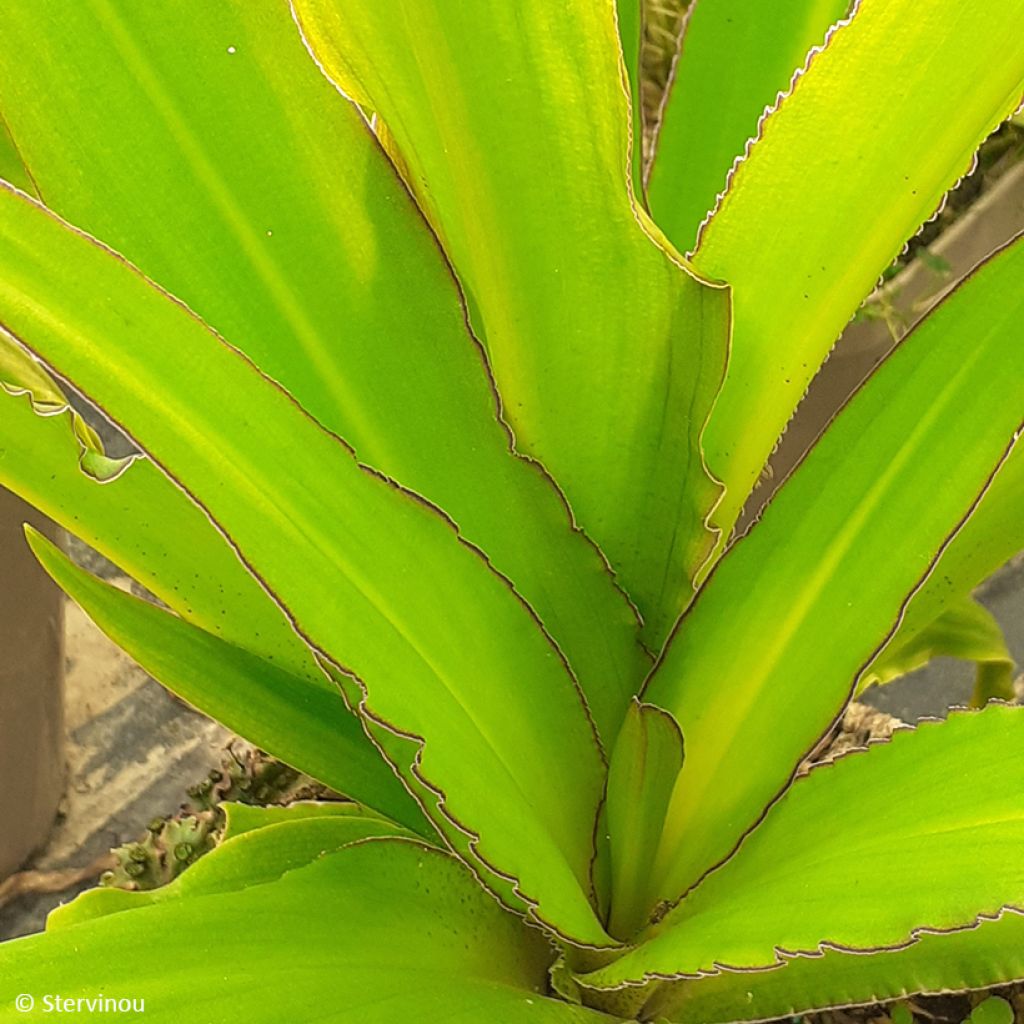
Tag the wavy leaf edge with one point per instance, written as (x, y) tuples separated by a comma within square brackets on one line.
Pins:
[(362, 709), (323, 657), (649, 229), (783, 955), (389, 160)]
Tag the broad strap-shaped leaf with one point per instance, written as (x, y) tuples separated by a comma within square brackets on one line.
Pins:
[(915, 816), (381, 931), (153, 531), (376, 580), (772, 646), (399, 748), (966, 630), (148, 526), (156, 533), (305, 725), (991, 954), (514, 128), (737, 56), (298, 243), (989, 539), (253, 857), (851, 163), (646, 761)]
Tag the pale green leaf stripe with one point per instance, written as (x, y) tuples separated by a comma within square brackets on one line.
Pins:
[(607, 351), (915, 816), (736, 57), (885, 120), (299, 244), (992, 954), (371, 575), (404, 933), (251, 858), (302, 724), (806, 599)]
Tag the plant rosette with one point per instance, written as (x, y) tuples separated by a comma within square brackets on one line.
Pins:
[(445, 400)]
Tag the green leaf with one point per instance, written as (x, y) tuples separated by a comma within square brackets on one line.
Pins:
[(241, 818), (441, 648), (901, 1014), (153, 531), (631, 27), (607, 350), (737, 56), (991, 954), (646, 761), (304, 725), (300, 242), (992, 1011), (244, 860), (12, 169), (22, 376), (992, 536), (852, 162), (966, 630), (404, 934), (914, 816), (804, 602), (139, 519)]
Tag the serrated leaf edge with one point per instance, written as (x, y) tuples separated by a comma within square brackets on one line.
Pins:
[(388, 159), (316, 651)]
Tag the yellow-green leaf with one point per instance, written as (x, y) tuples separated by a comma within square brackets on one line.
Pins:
[(885, 120), (646, 761), (912, 817), (303, 724), (965, 630), (803, 603), (297, 242), (376, 580), (991, 954), (607, 350), (404, 931), (736, 57)]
